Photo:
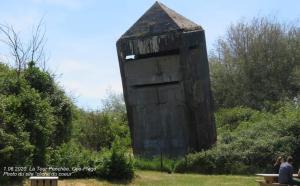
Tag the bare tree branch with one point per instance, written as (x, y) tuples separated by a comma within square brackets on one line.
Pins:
[(24, 53)]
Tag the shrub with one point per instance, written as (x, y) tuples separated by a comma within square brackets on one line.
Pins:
[(252, 146), (26, 113), (119, 164), (71, 155), (98, 130), (43, 82), (231, 118), (114, 164)]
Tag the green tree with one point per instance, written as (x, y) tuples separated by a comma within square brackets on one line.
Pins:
[(44, 83), (24, 116), (256, 64), (96, 130)]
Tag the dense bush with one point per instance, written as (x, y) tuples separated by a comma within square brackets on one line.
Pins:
[(28, 119), (43, 82), (119, 164), (231, 118), (97, 130), (114, 163), (23, 111), (71, 155), (252, 146)]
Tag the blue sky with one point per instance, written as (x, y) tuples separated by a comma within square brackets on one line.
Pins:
[(81, 34)]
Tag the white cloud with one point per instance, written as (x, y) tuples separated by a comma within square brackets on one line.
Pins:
[(72, 4), (87, 82), (67, 66), (21, 23), (91, 89), (89, 94), (4, 58)]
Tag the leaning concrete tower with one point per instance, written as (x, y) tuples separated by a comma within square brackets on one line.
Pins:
[(165, 76)]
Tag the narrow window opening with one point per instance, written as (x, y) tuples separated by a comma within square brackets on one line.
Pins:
[(156, 84), (156, 54), (159, 54), (130, 57)]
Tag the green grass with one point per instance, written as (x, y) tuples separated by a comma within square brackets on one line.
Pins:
[(149, 178), (157, 178), (154, 164)]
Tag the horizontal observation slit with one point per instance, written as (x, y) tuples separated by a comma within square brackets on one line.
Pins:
[(156, 54), (156, 84), (130, 57)]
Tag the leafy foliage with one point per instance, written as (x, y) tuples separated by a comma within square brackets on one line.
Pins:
[(44, 83), (71, 155), (230, 118), (114, 163), (100, 139), (27, 116), (256, 64), (252, 145), (97, 130), (119, 165)]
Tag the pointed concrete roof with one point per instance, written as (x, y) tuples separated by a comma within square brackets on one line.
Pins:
[(160, 19)]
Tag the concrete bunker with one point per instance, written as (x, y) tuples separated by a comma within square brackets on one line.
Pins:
[(165, 76)]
